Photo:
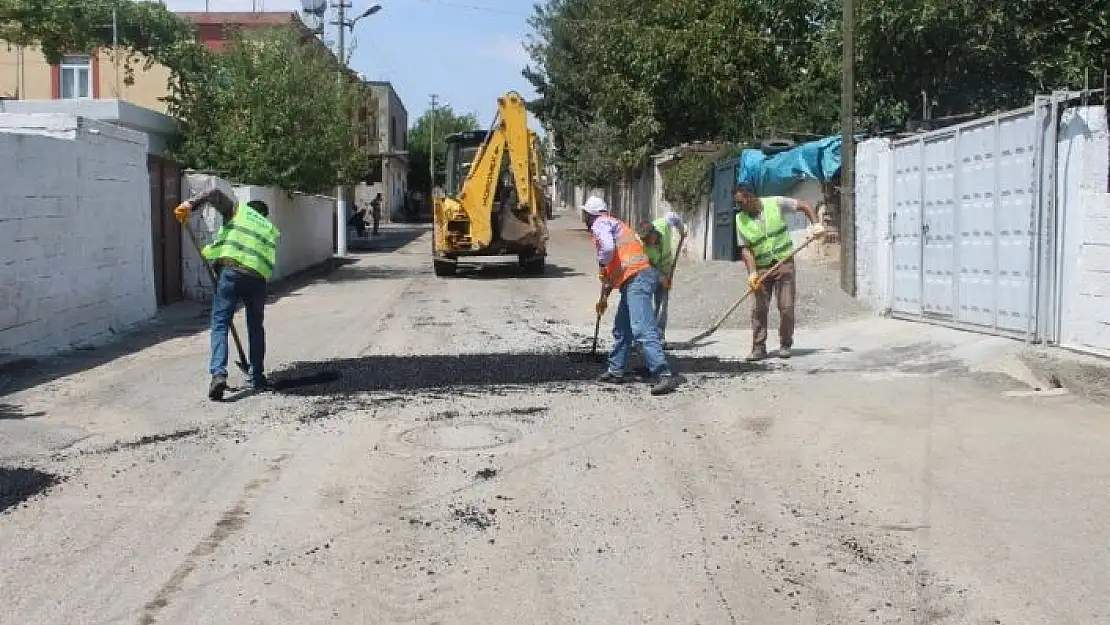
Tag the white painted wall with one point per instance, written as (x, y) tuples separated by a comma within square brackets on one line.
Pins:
[(874, 171), (1084, 204), (305, 222), (76, 262)]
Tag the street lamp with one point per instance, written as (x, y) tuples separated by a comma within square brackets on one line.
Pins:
[(340, 193)]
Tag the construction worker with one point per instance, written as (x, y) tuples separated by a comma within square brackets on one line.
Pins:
[(623, 265), (244, 253), (658, 239), (764, 238)]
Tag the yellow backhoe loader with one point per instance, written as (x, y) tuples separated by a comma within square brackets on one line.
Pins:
[(493, 202)]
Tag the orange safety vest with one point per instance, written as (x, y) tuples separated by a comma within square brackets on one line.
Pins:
[(629, 258)]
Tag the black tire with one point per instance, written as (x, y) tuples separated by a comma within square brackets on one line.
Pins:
[(444, 268), (532, 265), (775, 146)]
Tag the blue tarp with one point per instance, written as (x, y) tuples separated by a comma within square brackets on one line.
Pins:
[(776, 175)]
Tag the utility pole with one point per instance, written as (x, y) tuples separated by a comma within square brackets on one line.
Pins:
[(340, 192), (848, 155), (115, 49), (432, 145)]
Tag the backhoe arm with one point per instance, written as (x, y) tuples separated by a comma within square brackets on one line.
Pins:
[(477, 193), (509, 134)]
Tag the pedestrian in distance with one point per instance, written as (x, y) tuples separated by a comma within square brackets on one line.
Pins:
[(659, 240), (623, 265), (376, 212), (358, 220), (764, 238), (244, 253)]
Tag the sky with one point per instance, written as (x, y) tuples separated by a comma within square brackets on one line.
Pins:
[(468, 52)]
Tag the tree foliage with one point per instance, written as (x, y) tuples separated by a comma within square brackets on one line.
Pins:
[(446, 122), (147, 31), (685, 182), (269, 111), (620, 79)]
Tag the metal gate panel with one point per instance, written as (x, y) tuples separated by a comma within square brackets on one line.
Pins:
[(721, 204), (1014, 219), (938, 226), (906, 228), (964, 224), (977, 252)]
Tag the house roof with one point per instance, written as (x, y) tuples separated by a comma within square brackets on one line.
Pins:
[(388, 86), (242, 18), (211, 22)]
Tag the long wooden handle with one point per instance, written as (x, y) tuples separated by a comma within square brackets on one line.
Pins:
[(215, 284), (717, 325)]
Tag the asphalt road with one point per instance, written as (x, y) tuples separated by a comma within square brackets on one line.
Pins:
[(438, 453)]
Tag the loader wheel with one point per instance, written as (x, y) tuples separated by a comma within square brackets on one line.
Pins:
[(443, 268), (532, 265)]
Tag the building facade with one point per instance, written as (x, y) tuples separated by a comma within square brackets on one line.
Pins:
[(25, 73), (392, 145)]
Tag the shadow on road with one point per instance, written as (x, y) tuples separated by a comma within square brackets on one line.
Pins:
[(12, 412), (357, 273), (389, 239), (179, 320), (425, 372), (502, 271), (19, 485)]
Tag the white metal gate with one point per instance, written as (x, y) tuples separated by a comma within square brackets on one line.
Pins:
[(963, 224)]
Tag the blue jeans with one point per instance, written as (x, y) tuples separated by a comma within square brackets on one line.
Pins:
[(636, 321), (662, 299), (232, 288)]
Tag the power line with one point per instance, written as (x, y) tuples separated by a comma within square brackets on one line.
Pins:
[(475, 7)]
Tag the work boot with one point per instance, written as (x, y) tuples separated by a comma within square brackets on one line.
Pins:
[(784, 352), (611, 378), (666, 383), (759, 352), (259, 385), (217, 387)]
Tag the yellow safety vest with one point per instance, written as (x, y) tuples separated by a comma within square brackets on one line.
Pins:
[(248, 239), (662, 255), (769, 242)]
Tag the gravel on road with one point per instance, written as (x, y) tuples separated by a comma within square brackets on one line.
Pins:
[(436, 451)]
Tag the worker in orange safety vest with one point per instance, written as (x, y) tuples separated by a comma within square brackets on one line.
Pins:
[(623, 265)]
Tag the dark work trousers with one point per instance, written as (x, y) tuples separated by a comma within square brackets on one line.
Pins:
[(783, 286)]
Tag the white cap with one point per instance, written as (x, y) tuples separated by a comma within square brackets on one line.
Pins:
[(595, 206)]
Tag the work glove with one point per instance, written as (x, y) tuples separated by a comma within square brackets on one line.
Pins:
[(666, 283), (818, 231), (754, 282), (601, 306), (182, 212), (602, 277)]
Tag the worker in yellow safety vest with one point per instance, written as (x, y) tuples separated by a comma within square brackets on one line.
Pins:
[(764, 238), (659, 241), (623, 265), (244, 253)]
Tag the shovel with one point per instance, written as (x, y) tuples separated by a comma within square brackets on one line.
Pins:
[(242, 363), (597, 324), (721, 320)]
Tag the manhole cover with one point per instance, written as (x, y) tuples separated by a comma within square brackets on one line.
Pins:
[(467, 436)]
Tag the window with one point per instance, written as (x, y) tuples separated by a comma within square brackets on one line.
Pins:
[(75, 77)]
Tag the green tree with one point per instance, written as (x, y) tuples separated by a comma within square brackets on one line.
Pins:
[(269, 111), (147, 31), (661, 72), (664, 72), (446, 122)]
